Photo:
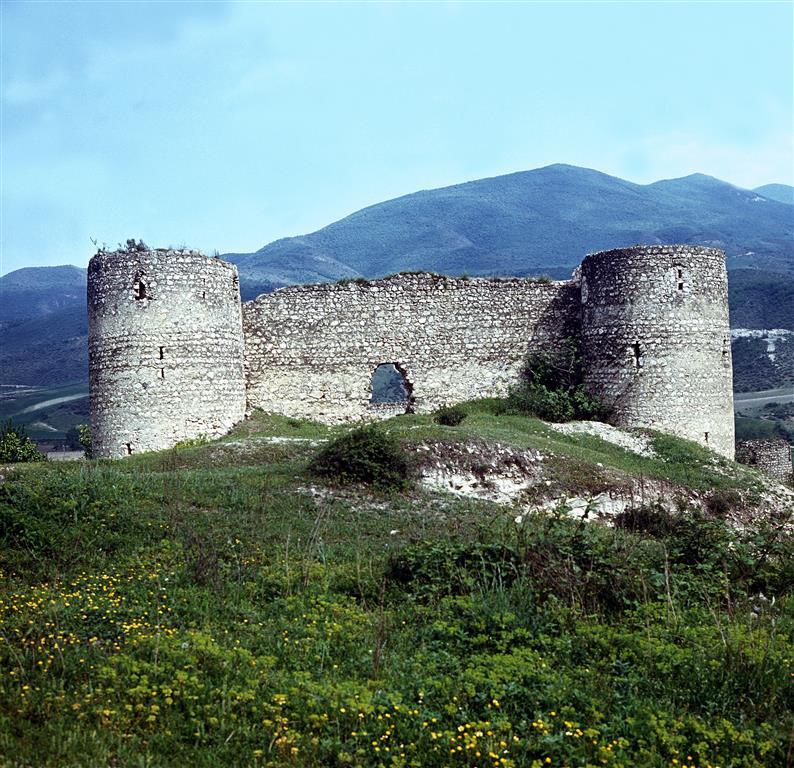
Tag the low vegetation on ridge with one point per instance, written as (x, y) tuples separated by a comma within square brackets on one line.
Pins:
[(224, 604)]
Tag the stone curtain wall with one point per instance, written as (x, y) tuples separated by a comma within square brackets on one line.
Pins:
[(311, 350), (772, 457), (165, 349), (172, 357), (656, 340)]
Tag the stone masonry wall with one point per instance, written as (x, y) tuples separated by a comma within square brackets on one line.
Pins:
[(770, 456), (165, 349), (656, 340), (311, 350), (173, 355)]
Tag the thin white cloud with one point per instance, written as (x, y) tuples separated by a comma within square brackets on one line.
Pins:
[(27, 91)]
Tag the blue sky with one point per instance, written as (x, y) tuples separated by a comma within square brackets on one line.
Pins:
[(226, 126)]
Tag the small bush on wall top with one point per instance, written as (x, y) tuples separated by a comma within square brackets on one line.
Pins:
[(365, 455)]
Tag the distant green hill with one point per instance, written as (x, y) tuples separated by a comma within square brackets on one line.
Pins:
[(761, 299), (36, 291), (532, 222), (539, 222), (46, 350), (783, 193), (43, 326)]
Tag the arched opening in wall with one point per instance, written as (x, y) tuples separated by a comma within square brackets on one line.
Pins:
[(390, 386)]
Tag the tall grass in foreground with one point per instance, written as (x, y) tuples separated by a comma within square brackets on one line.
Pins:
[(206, 608)]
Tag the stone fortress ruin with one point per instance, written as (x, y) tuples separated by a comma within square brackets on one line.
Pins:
[(174, 355)]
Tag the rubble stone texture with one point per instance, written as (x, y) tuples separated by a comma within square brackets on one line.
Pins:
[(656, 342), (165, 348), (311, 351), (773, 457), (652, 322)]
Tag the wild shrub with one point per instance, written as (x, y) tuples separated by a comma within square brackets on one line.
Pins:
[(723, 501), (364, 455), (16, 446), (675, 450), (651, 519), (202, 560), (55, 519), (192, 442), (584, 566), (551, 388), (692, 538), (84, 436), (438, 568), (449, 415)]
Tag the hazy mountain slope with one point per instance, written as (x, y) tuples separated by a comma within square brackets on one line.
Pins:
[(36, 291), (783, 193), (536, 221), (50, 349), (760, 299), (533, 222), (262, 274)]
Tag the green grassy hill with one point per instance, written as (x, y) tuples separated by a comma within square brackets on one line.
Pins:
[(220, 605), (754, 369), (760, 299), (36, 291)]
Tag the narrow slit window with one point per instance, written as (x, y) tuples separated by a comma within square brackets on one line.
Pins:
[(636, 354), (162, 353), (706, 437), (725, 349), (138, 289), (679, 278), (162, 373), (129, 448)]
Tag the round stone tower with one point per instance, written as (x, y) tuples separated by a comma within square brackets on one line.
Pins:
[(656, 342), (165, 349)]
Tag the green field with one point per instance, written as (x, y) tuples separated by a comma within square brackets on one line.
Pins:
[(47, 413), (753, 402), (765, 415), (220, 605)]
